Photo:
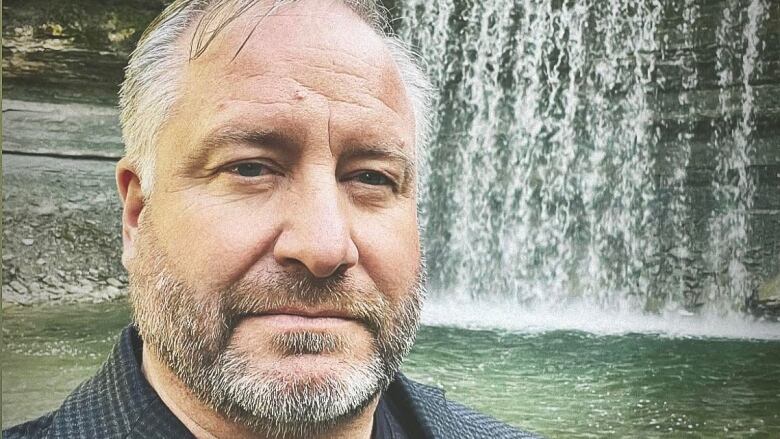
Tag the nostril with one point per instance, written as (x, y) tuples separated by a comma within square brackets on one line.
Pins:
[(321, 257)]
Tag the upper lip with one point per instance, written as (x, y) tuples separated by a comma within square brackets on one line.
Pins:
[(311, 313)]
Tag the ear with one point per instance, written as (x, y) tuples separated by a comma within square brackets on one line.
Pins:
[(129, 185)]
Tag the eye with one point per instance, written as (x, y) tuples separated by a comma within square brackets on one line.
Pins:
[(373, 178), (249, 169)]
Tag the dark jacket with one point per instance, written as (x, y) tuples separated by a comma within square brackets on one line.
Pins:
[(118, 402)]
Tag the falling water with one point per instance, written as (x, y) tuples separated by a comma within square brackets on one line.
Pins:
[(600, 152)]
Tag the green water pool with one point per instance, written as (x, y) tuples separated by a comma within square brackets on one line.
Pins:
[(566, 384)]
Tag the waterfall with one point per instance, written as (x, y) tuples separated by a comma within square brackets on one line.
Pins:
[(600, 152)]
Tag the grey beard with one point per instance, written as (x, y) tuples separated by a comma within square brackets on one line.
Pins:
[(192, 339), (269, 404)]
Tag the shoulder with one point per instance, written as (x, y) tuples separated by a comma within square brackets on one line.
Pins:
[(36, 428), (441, 417)]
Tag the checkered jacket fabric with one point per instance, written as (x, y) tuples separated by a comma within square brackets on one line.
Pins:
[(118, 402)]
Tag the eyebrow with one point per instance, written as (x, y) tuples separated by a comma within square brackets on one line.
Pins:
[(385, 151), (222, 137)]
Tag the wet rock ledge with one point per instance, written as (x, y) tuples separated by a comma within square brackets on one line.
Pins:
[(61, 231)]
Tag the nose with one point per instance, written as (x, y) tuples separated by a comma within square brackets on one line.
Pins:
[(317, 233)]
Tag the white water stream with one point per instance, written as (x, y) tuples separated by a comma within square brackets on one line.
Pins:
[(599, 153)]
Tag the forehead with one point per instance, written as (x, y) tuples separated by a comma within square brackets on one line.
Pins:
[(300, 50)]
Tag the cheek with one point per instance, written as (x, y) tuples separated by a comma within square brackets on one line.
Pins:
[(215, 243), (389, 251)]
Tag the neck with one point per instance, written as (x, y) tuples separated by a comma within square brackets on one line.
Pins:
[(205, 423)]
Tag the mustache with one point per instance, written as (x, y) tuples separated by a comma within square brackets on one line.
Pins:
[(340, 293)]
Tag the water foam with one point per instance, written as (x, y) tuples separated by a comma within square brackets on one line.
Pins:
[(482, 314)]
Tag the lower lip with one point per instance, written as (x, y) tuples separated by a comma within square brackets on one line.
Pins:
[(293, 321)]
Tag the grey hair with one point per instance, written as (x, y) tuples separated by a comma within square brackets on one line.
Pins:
[(153, 73)]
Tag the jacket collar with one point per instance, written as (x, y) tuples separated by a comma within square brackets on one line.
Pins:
[(429, 406), (117, 401)]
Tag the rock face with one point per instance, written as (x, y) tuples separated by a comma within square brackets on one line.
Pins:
[(71, 129), (767, 299), (70, 51), (62, 62), (770, 290), (61, 231)]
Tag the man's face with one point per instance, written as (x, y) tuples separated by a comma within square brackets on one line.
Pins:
[(277, 268)]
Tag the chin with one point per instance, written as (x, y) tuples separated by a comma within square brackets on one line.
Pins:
[(324, 380), (308, 391), (294, 371)]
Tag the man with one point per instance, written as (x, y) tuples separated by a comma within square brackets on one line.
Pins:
[(270, 234)]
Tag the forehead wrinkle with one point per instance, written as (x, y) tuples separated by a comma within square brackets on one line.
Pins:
[(331, 71), (334, 97), (327, 58), (311, 83), (313, 88), (379, 77)]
